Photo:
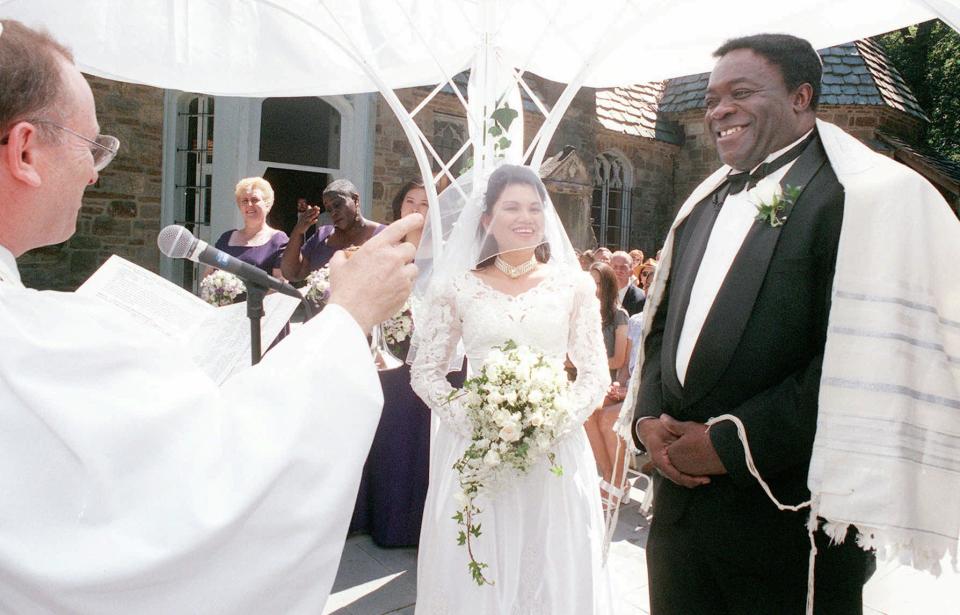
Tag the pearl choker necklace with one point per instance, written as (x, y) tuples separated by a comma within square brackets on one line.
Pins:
[(515, 272)]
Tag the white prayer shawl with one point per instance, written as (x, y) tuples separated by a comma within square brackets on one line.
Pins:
[(130, 483), (886, 457)]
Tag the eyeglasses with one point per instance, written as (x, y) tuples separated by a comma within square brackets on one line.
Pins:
[(103, 148)]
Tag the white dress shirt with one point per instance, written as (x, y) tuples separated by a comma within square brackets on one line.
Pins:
[(8, 268), (132, 483), (733, 222)]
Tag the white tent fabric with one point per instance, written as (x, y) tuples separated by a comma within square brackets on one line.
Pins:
[(312, 47)]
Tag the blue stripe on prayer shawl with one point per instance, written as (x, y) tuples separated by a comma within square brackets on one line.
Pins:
[(842, 294), (953, 469), (880, 387), (895, 336), (924, 434)]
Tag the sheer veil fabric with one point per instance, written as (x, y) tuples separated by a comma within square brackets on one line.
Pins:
[(466, 224)]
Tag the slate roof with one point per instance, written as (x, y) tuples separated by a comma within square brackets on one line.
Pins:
[(857, 73), (633, 110), (944, 166)]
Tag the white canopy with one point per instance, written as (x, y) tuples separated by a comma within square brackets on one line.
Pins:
[(316, 47)]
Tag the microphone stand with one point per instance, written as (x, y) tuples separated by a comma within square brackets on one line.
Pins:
[(255, 295)]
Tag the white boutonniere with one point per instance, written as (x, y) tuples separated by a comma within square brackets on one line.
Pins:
[(771, 201)]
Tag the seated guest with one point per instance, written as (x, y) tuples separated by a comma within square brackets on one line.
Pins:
[(257, 243), (646, 274), (636, 258), (396, 475), (586, 259), (599, 426), (341, 200), (602, 255), (635, 326), (630, 296)]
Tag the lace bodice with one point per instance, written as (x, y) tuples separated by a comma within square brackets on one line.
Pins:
[(560, 317)]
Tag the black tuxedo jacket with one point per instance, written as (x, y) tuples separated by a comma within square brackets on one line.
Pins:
[(633, 300), (758, 356)]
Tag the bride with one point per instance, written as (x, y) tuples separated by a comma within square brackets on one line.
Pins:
[(510, 273)]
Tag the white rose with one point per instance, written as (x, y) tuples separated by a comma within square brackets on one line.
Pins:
[(511, 396), (483, 443), (536, 419), (501, 417), (473, 399), (765, 192), (495, 397), (535, 396), (510, 432), (492, 459), (543, 375)]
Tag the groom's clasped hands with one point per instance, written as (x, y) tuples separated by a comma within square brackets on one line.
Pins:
[(680, 450)]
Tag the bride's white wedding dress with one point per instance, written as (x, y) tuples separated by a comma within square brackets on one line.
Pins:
[(541, 534)]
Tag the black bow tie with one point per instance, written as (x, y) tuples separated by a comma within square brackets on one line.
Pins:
[(737, 181)]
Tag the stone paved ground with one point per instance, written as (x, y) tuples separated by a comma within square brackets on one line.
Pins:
[(375, 581)]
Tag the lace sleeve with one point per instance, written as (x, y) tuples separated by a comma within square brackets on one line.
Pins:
[(587, 352), (435, 336)]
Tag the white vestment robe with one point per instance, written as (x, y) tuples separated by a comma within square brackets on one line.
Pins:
[(131, 483)]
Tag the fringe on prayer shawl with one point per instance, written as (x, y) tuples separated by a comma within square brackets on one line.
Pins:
[(886, 456)]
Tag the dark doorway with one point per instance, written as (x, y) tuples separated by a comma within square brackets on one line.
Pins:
[(288, 186)]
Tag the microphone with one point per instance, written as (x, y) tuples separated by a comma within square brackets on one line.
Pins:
[(176, 241)]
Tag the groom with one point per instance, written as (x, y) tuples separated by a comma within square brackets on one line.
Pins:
[(739, 329)]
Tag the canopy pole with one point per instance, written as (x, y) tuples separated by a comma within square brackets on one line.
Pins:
[(549, 127)]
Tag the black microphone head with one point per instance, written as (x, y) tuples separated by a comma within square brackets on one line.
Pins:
[(175, 241)]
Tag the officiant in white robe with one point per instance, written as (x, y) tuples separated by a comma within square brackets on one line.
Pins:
[(131, 482)]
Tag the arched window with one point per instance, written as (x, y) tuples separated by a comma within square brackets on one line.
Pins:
[(303, 131), (610, 210)]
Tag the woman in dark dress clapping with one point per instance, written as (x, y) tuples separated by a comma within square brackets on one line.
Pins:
[(341, 200)]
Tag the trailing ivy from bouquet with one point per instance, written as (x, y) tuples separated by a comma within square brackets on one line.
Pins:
[(221, 288), (518, 407)]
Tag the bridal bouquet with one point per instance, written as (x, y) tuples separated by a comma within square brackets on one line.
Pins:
[(317, 286), (221, 288), (517, 406), (400, 326)]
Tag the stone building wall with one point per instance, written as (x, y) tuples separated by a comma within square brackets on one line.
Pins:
[(653, 161), (121, 212), (393, 160)]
